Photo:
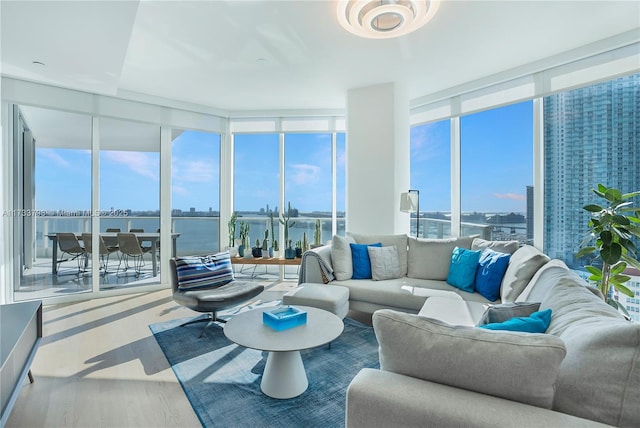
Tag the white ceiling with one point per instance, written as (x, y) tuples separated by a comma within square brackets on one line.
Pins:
[(272, 55)]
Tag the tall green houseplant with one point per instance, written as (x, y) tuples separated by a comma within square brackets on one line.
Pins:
[(611, 228)]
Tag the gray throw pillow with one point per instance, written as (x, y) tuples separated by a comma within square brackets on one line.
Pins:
[(507, 247), (517, 366), (506, 311), (523, 265), (400, 241), (384, 262), (431, 258), (341, 259)]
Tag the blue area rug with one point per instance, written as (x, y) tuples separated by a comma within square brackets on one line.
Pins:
[(222, 379)]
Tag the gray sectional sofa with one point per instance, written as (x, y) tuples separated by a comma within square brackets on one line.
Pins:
[(438, 369)]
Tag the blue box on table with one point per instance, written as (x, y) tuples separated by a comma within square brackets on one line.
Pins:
[(284, 317)]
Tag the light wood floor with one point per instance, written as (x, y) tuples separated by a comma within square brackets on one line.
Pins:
[(98, 365)]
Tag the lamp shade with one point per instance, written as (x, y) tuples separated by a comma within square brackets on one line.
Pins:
[(409, 202)]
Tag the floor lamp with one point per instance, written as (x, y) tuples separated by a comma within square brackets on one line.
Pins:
[(410, 203)]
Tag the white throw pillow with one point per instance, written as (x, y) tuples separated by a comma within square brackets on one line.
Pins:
[(507, 247), (384, 262), (341, 259), (400, 241)]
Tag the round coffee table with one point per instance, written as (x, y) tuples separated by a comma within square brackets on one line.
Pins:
[(284, 375)]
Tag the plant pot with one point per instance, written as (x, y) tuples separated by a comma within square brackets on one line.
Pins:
[(289, 253), (241, 250), (247, 253), (233, 251), (276, 254), (298, 253), (270, 251), (265, 254), (256, 252)]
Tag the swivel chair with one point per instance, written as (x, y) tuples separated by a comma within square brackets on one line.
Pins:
[(211, 300)]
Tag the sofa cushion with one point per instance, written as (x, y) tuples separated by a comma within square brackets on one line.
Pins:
[(523, 264), (361, 261), (400, 241), (537, 322), (600, 376), (491, 269), (545, 279), (508, 247), (341, 257), (516, 366), (202, 272), (462, 271), (431, 258), (506, 311), (384, 262)]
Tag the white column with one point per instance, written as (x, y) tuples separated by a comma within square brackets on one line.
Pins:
[(377, 159)]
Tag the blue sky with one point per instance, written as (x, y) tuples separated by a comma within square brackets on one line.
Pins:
[(496, 160), (496, 156)]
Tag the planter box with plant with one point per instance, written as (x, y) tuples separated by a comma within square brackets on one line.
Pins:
[(611, 230)]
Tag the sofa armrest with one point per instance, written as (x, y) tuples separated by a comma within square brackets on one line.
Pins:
[(310, 269), (377, 398)]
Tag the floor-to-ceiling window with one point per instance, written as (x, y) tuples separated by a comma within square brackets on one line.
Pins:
[(308, 184), (195, 191), (431, 175), (591, 136), (129, 161), (341, 175), (52, 196), (256, 183), (496, 164)]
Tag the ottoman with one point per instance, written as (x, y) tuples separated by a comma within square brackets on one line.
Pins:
[(332, 298)]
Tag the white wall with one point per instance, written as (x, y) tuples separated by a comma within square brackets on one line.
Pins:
[(377, 157)]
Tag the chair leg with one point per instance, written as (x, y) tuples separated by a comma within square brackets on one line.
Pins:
[(210, 319)]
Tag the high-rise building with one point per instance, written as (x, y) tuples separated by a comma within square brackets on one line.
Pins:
[(591, 136), (529, 214)]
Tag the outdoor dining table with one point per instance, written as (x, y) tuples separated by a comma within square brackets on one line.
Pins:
[(152, 237)]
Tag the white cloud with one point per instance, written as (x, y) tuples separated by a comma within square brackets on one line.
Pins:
[(513, 196), (138, 162), (193, 171), (305, 174), (54, 157)]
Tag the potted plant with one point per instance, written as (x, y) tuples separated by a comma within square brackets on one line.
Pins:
[(244, 238), (289, 252), (265, 245), (287, 223), (611, 229), (256, 251), (317, 235), (233, 248), (274, 248), (298, 249), (305, 242)]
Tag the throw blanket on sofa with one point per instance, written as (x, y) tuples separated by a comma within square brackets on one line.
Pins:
[(325, 268)]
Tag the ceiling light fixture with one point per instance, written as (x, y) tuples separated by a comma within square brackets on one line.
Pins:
[(384, 19)]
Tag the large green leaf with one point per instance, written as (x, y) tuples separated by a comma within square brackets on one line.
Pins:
[(601, 189), (633, 219), (631, 261), (606, 237), (593, 270), (611, 253), (620, 219), (618, 268), (612, 194), (624, 290), (619, 279), (592, 208), (631, 195), (585, 252)]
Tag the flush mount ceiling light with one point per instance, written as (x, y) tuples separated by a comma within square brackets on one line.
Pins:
[(383, 19)]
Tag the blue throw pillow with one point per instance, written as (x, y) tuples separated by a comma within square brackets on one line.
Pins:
[(491, 269), (202, 272), (462, 272), (361, 262), (537, 322)]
